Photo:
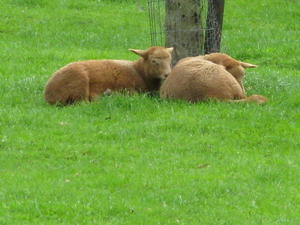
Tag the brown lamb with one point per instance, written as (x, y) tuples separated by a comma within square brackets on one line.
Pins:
[(84, 80), (213, 76)]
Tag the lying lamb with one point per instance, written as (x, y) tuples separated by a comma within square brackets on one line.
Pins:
[(216, 76), (84, 80)]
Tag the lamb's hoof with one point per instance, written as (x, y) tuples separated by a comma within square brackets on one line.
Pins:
[(259, 99), (107, 92)]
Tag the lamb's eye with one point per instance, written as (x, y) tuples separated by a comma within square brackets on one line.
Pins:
[(154, 62)]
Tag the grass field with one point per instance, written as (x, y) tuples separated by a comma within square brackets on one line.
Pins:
[(141, 160)]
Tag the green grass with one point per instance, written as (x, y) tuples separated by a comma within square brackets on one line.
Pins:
[(141, 160)]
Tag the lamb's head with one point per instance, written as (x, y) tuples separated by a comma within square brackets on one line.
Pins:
[(234, 67), (157, 61)]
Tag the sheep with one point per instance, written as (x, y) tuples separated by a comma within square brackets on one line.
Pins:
[(213, 76), (85, 80)]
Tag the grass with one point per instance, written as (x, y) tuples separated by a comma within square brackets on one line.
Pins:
[(140, 160)]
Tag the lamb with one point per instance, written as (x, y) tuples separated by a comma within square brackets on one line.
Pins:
[(85, 80), (213, 76)]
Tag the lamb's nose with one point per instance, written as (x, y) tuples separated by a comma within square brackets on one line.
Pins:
[(166, 75)]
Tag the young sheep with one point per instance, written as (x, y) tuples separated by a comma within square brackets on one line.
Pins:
[(236, 68), (216, 76), (84, 80)]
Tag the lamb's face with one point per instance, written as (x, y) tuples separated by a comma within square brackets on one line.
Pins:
[(238, 73), (159, 63)]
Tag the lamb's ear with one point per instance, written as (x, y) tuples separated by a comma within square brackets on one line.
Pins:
[(141, 53), (170, 49), (247, 65)]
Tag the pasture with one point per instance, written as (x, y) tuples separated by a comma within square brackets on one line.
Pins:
[(140, 159)]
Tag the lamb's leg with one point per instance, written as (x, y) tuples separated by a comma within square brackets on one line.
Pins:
[(259, 99)]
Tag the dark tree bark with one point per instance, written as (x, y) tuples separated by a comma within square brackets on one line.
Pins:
[(214, 22)]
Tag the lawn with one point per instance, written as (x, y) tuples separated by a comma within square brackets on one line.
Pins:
[(139, 159)]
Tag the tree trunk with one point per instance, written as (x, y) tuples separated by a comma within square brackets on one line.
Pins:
[(184, 28)]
